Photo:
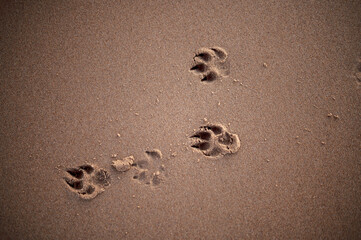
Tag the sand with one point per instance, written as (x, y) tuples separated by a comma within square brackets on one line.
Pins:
[(88, 83)]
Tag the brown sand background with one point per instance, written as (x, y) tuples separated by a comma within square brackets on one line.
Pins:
[(75, 73)]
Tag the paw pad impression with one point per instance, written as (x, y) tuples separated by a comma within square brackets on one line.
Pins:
[(214, 140), (87, 180), (211, 64)]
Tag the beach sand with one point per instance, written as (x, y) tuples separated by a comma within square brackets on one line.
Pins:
[(84, 84)]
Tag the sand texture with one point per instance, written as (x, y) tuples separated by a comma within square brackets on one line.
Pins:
[(180, 119)]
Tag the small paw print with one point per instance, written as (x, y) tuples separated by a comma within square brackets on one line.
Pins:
[(150, 171), (87, 180), (214, 140), (211, 64)]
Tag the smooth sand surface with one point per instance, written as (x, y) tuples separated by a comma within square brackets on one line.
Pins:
[(91, 82)]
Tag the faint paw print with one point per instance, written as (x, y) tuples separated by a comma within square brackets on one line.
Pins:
[(214, 140), (150, 171), (211, 64), (87, 181)]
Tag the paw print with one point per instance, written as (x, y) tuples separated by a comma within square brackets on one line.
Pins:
[(87, 180), (211, 64), (150, 171), (214, 140)]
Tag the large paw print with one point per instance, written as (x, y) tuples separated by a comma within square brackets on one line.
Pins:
[(211, 64), (150, 171), (214, 140), (87, 180)]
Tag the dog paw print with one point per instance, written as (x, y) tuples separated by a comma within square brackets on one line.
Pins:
[(87, 180), (213, 140), (150, 171), (211, 64)]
